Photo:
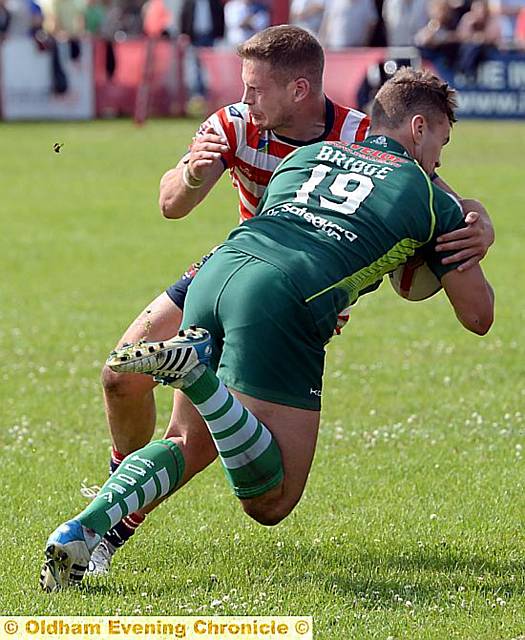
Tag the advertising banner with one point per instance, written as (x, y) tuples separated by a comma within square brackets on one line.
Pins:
[(495, 90), (54, 83)]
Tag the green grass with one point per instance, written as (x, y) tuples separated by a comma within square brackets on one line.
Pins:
[(411, 525)]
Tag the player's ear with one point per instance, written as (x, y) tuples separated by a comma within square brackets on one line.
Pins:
[(301, 89), (418, 125)]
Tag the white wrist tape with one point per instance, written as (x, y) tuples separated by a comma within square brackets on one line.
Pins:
[(189, 179)]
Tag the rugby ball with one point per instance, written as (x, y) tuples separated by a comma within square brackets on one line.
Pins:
[(414, 280)]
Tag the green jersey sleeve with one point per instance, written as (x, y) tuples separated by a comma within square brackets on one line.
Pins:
[(449, 217)]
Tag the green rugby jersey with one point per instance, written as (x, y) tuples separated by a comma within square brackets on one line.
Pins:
[(337, 217)]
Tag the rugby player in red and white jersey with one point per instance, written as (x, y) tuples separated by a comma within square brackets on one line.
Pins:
[(253, 153), (283, 107)]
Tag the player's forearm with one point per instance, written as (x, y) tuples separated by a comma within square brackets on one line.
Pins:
[(176, 198)]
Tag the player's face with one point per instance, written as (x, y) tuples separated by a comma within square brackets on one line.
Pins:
[(269, 101), (434, 139)]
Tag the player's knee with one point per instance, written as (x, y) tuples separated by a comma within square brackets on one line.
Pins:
[(112, 382), (268, 515), (119, 385)]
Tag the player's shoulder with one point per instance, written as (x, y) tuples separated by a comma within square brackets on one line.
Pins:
[(444, 200), (234, 113), (349, 124), (315, 152), (234, 122)]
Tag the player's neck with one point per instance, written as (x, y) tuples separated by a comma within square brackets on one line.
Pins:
[(401, 135), (309, 121)]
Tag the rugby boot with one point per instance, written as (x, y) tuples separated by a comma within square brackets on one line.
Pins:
[(68, 550), (168, 361)]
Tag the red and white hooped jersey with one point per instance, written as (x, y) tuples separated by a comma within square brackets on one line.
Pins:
[(254, 154)]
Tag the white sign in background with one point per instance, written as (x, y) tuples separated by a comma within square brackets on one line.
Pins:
[(26, 89)]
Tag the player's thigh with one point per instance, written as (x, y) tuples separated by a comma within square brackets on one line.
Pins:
[(272, 347), (273, 360), (158, 321), (202, 300)]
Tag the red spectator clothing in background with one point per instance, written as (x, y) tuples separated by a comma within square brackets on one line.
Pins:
[(520, 27), (157, 18)]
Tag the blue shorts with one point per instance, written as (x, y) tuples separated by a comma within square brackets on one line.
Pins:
[(177, 292)]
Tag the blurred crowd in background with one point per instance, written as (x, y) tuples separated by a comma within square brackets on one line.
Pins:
[(442, 25), (458, 33)]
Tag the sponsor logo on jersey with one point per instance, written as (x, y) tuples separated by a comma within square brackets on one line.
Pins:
[(263, 145), (378, 156), (246, 171), (330, 228), (234, 112), (380, 140)]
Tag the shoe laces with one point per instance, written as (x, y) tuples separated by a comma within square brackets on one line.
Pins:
[(105, 550)]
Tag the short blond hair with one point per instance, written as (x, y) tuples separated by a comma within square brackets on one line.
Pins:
[(411, 92), (291, 52)]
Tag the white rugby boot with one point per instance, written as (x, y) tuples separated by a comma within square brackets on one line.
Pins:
[(68, 550), (168, 361)]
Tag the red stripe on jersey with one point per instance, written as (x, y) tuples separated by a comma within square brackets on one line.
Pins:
[(280, 149), (248, 195), (231, 136), (260, 176), (253, 135), (340, 114), (362, 129)]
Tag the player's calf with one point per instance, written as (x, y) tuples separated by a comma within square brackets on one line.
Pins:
[(143, 478)]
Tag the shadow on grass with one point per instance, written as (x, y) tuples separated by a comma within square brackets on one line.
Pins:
[(378, 579), (425, 572)]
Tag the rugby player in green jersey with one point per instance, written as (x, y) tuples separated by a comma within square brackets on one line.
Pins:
[(283, 107), (334, 220)]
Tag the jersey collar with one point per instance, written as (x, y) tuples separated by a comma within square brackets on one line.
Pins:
[(328, 125), (386, 144)]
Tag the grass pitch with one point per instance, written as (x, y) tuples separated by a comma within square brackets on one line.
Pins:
[(412, 522)]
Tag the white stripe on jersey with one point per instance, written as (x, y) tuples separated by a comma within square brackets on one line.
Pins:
[(351, 125), (257, 159), (240, 128), (246, 203), (214, 121), (253, 187)]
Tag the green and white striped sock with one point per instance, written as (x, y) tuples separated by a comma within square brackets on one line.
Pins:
[(250, 455), (142, 477)]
